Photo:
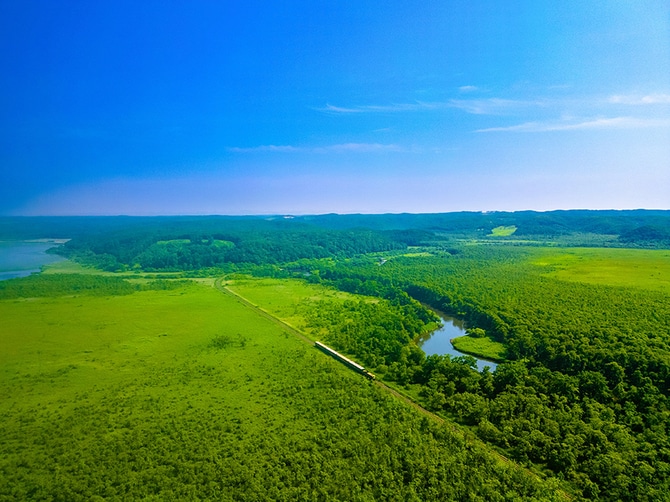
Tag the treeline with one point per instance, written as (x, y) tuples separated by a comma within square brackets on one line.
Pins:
[(645, 228), (585, 391), (642, 227), (257, 243), (648, 235), (53, 285), (379, 333)]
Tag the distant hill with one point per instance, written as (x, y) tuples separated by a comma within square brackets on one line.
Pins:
[(610, 222), (631, 227), (647, 234)]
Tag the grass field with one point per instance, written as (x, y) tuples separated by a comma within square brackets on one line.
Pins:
[(54, 351), (503, 231), (481, 347), (71, 267), (287, 299), (188, 394), (637, 268)]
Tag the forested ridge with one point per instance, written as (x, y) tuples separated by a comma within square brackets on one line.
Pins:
[(118, 241), (259, 244), (192, 243), (654, 223)]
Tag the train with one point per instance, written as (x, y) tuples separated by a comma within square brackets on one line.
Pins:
[(354, 366)]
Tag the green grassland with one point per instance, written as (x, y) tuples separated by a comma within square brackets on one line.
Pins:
[(287, 299), (484, 347), (503, 231), (637, 268), (70, 267), (187, 394)]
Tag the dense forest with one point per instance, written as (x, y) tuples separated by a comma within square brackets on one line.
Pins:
[(583, 391), (191, 243), (647, 228)]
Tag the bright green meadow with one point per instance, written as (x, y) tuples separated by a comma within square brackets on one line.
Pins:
[(503, 231), (480, 347), (637, 268), (288, 299), (188, 394)]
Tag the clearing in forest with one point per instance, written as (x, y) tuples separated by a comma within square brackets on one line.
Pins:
[(638, 268)]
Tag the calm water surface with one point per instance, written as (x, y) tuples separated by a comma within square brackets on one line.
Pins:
[(19, 259), (439, 341)]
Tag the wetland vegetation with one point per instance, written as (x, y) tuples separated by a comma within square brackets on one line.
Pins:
[(127, 374)]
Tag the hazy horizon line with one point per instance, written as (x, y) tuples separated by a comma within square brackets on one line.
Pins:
[(331, 213)]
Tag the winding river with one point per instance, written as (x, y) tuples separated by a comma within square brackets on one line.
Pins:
[(439, 341)]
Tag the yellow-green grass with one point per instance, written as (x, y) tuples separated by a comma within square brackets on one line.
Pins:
[(69, 267), (190, 395), (175, 241), (85, 379), (482, 347), (136, 276), (287, 299), (123, 390), (637, 268), (72, 267), (64, 344), (503, 231)]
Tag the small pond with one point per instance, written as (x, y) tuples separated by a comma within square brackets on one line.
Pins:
[(439, 341)]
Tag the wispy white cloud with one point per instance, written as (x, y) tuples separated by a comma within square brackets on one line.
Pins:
[(266, 148), (492, 106), (359, 148), (599, 123), (501, 106), (335, 148), (404, 107), (649, 99), (543, 114), (392, 108), (340, 109)]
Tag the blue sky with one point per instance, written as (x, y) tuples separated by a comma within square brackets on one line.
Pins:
[(262, 107)]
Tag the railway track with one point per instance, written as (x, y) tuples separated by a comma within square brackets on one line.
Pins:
[(218, 283)]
